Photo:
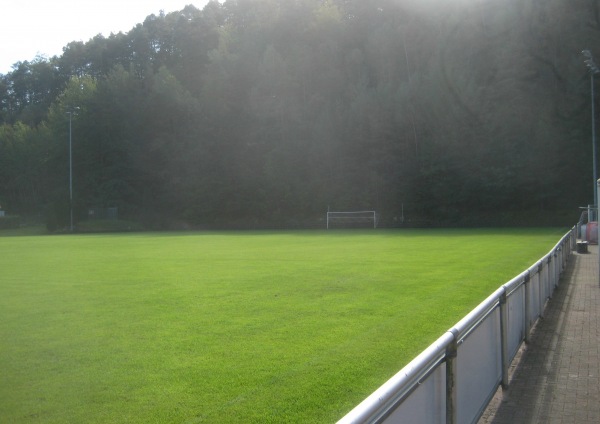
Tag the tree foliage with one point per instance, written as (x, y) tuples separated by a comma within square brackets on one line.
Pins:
[(267, 112)]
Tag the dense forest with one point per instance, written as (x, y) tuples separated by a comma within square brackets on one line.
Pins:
[(265, 113)]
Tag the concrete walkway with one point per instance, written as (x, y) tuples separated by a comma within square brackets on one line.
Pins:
[(556, 377)]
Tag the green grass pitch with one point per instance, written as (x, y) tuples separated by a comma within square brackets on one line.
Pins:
[(229, 326)]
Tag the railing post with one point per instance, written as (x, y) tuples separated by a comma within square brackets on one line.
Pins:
[(559, 268), (550, 280), (561, 256), (451, 373), (526, 287), (557, 263), (566, 253), (541, 287), (504, 338)]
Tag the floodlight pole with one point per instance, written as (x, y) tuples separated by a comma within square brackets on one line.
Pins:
[(591, 64), (70, 113)]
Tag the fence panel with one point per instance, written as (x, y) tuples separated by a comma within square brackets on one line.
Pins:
[(516, 317), (534, 296), (479, 367), (426, 405), (545, 286)]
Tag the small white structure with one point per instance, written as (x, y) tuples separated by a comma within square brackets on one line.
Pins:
[(355, 218)]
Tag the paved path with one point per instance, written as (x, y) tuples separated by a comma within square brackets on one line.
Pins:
[(556, 377)]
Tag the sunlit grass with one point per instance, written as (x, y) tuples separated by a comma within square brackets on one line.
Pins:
[(232, 327)]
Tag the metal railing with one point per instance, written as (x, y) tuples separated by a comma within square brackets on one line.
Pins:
[(454, 379)]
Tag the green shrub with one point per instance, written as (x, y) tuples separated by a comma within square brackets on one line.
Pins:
[(107, 226), (9, 222)]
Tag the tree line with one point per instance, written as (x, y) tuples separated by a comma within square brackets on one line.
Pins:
[(265, 113)]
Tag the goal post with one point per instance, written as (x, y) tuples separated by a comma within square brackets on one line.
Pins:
[(348, 219)]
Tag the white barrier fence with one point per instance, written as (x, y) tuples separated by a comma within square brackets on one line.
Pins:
[(454, 379)]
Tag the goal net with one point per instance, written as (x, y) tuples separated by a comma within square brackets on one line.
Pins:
[(355, 219)]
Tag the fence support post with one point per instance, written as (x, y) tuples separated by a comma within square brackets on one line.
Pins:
[(504, 338), (451, 373), (541, 287), (527, 320), (550, 280), (557, 267)]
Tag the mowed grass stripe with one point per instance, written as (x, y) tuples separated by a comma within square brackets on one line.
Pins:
[(232, 327)]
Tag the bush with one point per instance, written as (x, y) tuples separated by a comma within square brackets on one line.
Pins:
[(9, 222), (107, 226)]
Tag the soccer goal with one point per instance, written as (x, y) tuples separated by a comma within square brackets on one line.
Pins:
[(354, 219)]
